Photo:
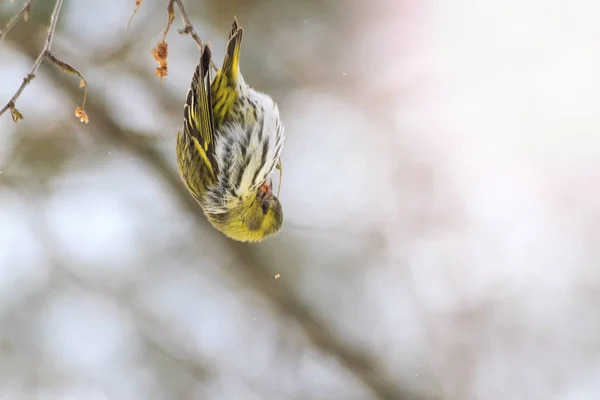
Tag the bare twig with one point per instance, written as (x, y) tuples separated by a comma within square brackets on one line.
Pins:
[(170, 16), (24, 12), (36, 65), (280, 168), (188, 28), (138, 4), (46, 54), (160, 51)]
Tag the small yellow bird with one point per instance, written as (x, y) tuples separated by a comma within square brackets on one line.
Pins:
[(230, 143)]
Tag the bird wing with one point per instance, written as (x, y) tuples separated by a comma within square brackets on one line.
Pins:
[(198, 113), (225, 86)]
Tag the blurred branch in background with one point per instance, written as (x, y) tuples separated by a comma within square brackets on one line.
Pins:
[(250, 261), (430, 250)]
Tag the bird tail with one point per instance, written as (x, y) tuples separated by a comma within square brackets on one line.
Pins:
[(234, 28), (231, 64)]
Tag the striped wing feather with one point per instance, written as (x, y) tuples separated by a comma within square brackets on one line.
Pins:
[(198, 113)]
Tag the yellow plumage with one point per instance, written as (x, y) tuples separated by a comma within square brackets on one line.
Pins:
[(230, 143)]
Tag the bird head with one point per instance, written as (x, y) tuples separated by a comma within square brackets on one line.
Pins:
[(253, 219)]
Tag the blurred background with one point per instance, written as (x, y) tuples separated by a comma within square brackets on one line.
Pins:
[(440, 192)]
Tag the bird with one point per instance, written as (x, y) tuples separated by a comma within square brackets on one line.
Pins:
[(230, 143)]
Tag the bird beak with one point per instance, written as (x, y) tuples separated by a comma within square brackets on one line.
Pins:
[(266, 188)]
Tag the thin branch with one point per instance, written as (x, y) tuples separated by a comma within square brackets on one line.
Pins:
[(36, 65), (79, 112), (138, 4), (188, 28), (24, 12), (160, 52), (46, 54)]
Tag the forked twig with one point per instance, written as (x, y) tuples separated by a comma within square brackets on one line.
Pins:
[(188, 29), (45, 54), (160, 52)]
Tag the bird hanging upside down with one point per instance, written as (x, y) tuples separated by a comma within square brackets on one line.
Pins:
[(230, 144)]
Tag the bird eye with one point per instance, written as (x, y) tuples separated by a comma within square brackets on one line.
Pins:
[(265, 207)]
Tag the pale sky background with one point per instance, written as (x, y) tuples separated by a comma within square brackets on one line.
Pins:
[(440, 194)]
